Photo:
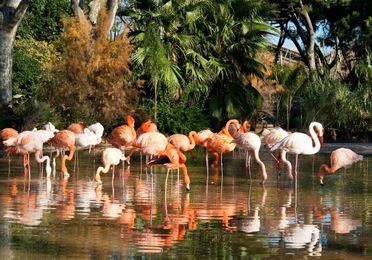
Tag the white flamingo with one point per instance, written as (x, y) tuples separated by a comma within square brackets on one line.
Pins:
[(300, 143)]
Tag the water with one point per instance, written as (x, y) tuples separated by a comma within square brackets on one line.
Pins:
[(225, 215)]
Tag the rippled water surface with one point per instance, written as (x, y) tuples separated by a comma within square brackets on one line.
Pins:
[(225, 215)]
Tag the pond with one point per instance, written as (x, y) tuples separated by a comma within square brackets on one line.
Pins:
[(225, 214)]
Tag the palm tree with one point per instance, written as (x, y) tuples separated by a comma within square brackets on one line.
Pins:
[(203, 43), (292, 78)]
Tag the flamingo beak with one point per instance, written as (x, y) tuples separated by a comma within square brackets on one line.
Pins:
[(321, 140)]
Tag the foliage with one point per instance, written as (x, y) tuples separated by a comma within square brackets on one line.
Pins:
[(319, 100), (180, 117), (195, 43), (292, 78), (92, 79), (28, 113), (237, 101), (43, 19), (359, 108), (32, 63)]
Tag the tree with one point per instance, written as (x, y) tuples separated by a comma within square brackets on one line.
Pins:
[(42, 21), (200, 44), (11, 14), (92, 80), (343, 26)]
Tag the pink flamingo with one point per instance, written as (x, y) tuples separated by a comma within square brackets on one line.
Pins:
[(300, 143), (275, 135), (150, 143), (172, 158), (184, 143), (251, 143), (221, 143), (110, 157), (62, 140), (147, 126), (6, 134), (124, 135), (244, 128), (32, 142), (340, 158)]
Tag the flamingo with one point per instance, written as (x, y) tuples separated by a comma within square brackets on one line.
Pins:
[(124, 135), (340, 158), (62, 140), (32, 142), (97, 128), (50, 127), (203, 136), (77, 128), (6, 134), (251, 143), (110, 157), (184, 143), (172, 158), (300, 143), (244, 128), (147, 126), (221, 143), (86, 139), (275, 135), (150, 143)]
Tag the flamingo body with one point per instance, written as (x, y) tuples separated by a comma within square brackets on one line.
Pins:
[(110, 157), (340, 158), (274, 136), (86, 139), (97, 129), (123, 136), (77, 128), (184, 143), (7, 133)]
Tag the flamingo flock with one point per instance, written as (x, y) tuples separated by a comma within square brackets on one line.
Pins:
[(169, 151)]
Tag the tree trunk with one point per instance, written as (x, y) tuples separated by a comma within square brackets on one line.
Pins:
[(311, 38), (6, 63), (11, 13)]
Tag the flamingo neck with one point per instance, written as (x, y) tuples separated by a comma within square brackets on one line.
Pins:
[(225, 130), (325, 169), (192, 136), (315, 148)]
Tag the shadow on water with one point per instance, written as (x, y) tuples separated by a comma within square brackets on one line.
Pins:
[(224, 215)]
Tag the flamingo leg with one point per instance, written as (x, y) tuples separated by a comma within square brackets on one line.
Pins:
[(296, 165), (247, 164), (206, 157), (221, 162)]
